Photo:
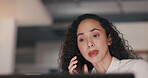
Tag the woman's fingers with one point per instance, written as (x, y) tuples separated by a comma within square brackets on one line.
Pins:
[(71, 71), (74, 58), (85, 69), (72, 62), (73, 65), (75, 72)]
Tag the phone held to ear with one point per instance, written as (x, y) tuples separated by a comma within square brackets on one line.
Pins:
[(79, 65)]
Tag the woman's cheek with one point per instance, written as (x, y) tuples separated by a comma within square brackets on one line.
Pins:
[(82, 48)]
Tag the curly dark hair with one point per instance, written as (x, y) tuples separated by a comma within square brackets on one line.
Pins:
[(119, 47)]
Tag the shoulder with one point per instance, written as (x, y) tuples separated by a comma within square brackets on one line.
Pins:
[(141, 65), (137, 63), (128, 62), (138, 67), (142, 62), (141, 69)]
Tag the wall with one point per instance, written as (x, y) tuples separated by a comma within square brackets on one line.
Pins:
[(7, 45), (135, 33)]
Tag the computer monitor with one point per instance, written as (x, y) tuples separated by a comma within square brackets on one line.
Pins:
[(71, 76)]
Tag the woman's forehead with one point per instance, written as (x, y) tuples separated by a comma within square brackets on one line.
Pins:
[(89, 24)]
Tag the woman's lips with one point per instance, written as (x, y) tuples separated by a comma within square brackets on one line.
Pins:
[(93, 53)]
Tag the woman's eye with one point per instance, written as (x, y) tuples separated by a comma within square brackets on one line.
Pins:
[(81, 40), (96, 35)]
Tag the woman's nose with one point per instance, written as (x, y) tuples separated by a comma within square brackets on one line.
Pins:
[(90, 43)]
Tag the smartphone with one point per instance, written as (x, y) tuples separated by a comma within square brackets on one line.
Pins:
[(79, 64)]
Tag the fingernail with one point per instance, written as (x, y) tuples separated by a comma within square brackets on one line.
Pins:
[(76, 61), (75, 56)]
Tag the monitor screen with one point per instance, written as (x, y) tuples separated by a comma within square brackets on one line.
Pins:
[(71, 76)]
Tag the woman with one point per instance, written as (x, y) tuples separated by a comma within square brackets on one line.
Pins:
[(94, 45)]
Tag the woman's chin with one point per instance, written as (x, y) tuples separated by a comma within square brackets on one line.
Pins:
[(94, 60)]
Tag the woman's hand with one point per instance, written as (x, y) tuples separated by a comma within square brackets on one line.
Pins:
[(73, 64), (85, 69)]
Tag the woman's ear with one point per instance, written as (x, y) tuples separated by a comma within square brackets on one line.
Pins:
[(109, 39)]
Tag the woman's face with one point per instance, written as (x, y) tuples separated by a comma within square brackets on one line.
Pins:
[(92, 41)]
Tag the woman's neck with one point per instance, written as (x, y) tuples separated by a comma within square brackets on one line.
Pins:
[(102, 66)]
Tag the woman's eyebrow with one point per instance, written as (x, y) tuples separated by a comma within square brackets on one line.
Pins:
[(90, 31), (80, 34), (94, 29)]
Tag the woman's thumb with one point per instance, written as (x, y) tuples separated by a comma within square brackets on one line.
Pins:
[(85, 69)]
